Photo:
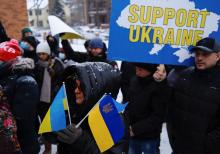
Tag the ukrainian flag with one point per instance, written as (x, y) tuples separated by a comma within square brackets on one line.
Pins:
[(55, 118), (106, 124)]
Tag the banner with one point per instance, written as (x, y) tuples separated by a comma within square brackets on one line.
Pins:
[(161, 31)]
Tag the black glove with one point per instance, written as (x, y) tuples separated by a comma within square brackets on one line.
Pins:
[(51, 71), (52, 41), (3, 35), (70, 134)]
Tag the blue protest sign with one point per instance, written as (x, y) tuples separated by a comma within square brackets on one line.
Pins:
[(161, 31)]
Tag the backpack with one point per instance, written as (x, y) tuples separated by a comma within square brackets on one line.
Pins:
[(8, 130)]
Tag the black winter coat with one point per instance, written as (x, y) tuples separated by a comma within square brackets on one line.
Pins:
[(21, 91), (97, 78), (30, 54), (147, 107), (194, 112), (127, 72)]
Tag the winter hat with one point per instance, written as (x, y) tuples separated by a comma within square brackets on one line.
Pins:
[(23, 64), (9, 50), (31, 40), (209, 45), (150, 67), (25, 30), (96, 43), (43, 47)]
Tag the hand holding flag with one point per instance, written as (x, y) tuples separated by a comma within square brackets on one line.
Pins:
[(55, 118)]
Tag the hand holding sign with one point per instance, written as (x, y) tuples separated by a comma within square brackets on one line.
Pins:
[(57, 26), (160, 73)]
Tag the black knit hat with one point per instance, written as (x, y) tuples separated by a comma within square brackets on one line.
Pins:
[(25, 30), (150, 67)]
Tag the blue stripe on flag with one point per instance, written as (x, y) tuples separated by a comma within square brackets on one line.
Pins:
[(112, 118), (57, 113)]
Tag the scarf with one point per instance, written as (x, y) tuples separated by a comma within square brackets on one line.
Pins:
[(45, 95)]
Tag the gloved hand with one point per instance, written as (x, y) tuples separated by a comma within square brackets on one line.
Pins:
[(51, 71), (3, 34), (70, 134), (52, 41)]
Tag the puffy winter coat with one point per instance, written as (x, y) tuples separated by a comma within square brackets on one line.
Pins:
[(97, 78), (194, 112), (127, 72), (147, 107), (21, 92)]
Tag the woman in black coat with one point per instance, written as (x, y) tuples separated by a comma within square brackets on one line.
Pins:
[(86, 83), (48, 73), (20, 91)]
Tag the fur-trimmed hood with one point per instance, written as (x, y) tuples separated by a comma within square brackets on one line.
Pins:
[(17, 66)]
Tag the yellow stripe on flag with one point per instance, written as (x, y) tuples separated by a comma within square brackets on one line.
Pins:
[(65, 104), (99, 130), (46, 124)]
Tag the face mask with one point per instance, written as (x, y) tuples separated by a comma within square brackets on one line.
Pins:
[(24, 45), (62, 56)]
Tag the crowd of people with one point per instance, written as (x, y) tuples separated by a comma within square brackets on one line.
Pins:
[(32, 72)]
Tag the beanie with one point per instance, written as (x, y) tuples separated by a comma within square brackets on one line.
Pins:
[(9, 50), (25, 30), (150, 67), (96, 43), (43, 47)]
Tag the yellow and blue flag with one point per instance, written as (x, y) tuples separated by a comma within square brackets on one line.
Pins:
[(55, 118), (106, 124)]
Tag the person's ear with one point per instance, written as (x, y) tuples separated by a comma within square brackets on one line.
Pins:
[(218, 55)]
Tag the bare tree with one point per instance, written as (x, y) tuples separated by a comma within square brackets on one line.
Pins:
[(36, 6)]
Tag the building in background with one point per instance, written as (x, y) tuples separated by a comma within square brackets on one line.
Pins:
[(13, 15), (77, 12), (73, 12), (38, 11), (97, 12), (58, 8)]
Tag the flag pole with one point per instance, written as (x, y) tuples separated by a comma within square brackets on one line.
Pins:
[(67, 103), (77, 126)]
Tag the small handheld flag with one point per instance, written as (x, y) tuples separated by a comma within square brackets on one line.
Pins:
[(105, 123), (55, 118)]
